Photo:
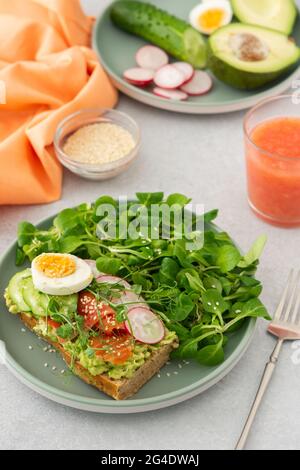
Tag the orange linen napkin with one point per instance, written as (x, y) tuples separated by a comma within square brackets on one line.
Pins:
[(47, 71)]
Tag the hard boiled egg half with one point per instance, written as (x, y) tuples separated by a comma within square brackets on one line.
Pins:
[(211, 15), (60, 274)]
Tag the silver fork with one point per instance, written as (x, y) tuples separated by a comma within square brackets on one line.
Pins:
[(286, 326)]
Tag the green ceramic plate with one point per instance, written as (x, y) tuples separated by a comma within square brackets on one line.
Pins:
[(117, 49), (177, 381)]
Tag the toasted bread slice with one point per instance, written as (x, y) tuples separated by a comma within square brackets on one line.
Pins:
[(117, 389)]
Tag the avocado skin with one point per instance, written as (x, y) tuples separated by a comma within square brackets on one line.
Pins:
[(239, 78)]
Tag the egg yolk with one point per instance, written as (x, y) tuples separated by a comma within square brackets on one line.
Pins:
[(56, 266), (211, 19)]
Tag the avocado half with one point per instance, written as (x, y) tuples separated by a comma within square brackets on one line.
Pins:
[(248, 57), (274, 14)]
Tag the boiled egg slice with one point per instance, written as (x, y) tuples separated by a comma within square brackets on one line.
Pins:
[(211, 15), (60, 274)]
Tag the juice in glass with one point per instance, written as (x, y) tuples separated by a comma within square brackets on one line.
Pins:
[(272, 134)]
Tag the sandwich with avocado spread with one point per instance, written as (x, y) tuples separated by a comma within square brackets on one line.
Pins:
[(104, 330)]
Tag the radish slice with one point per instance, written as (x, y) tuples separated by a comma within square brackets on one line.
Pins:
[(151, 57), (186, 68), (131, 300), (200, 84), (139, 77), (145, 326), (127, 296), (170, 94), (93, 267), (169, 77), (113, 280)]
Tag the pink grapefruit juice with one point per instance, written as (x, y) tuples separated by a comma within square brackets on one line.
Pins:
[(273, 168)]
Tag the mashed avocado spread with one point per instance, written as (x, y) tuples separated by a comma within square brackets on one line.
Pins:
[(43, 329), (35, 304), (13, 308), (95, 364)]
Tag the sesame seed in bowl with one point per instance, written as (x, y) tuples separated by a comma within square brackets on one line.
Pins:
[(97, 144)]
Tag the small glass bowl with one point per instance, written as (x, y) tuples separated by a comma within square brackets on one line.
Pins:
[(85, 117)]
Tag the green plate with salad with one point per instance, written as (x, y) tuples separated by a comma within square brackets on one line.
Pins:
[(200, 57), (192, 276)]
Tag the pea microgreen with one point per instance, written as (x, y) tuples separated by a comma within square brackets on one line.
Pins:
[(204, 294)]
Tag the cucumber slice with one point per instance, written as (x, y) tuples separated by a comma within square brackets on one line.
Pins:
[(37, 302), (157, 26), (15, 290)]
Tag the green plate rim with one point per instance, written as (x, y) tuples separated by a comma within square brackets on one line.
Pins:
[(191, 107), (132, 405)]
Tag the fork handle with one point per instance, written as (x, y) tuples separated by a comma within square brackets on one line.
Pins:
[(269, 369)]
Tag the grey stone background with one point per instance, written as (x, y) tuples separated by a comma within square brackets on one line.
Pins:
[(201, 156)]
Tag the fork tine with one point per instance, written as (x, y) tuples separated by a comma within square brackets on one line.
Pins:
[(296, 313), (284, 296), (295, 282)]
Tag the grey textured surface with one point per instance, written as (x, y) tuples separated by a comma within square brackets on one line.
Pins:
[(202, 157)]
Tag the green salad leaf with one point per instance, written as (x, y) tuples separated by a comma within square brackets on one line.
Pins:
[(203, 294), (211, 355), (178, 199), (254, 253), (108, 265), (150, 198), (228, 257)]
